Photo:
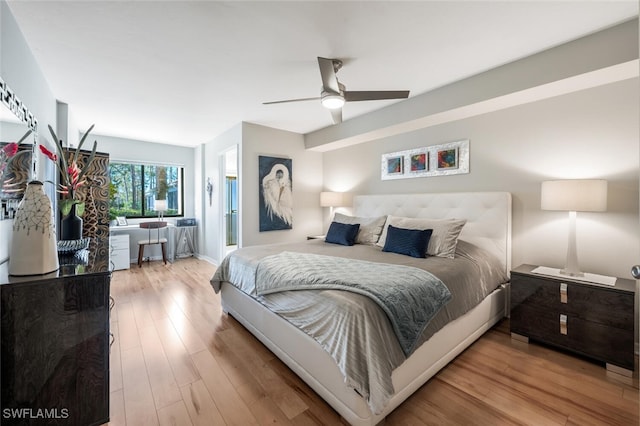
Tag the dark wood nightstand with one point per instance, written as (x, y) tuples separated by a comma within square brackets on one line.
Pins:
[(593, 320)]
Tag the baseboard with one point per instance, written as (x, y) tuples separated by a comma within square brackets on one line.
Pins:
[(207, 259)]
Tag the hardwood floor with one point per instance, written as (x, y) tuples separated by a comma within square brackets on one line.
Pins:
[(178, 360)]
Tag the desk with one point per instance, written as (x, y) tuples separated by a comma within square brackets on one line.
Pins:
[(136, 233)]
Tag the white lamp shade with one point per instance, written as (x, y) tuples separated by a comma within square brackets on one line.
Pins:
[(161, 205), (334, 199), (578, 195)]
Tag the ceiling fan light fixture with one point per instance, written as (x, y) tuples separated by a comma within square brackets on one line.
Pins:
[(332, 101)]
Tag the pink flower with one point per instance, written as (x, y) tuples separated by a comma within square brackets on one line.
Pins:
[(74, 173), (52, 156), (10, 149)]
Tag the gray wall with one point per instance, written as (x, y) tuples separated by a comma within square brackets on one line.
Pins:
[(20, 71), (588, 134), (306, 181)]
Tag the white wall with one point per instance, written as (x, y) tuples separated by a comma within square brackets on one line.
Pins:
[(588, 134), (155, 153), (20, 71), (121, 149), (209, 237)]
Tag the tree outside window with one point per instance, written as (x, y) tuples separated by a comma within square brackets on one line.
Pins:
[(138, 186)]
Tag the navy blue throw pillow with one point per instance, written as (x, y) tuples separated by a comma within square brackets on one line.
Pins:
[(341, 233), (412, 242)]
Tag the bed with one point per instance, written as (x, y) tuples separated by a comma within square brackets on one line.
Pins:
[(324, 361)]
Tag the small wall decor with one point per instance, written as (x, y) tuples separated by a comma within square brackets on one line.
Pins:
[(450, 158), (210, 190), (275, 193)]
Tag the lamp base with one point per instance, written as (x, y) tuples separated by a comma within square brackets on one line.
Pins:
[(571, 273), (587, 277)]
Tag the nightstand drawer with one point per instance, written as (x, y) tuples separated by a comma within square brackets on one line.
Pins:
[(596, 340), (584, 301)]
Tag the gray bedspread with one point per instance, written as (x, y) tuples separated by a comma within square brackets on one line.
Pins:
[(409, 296), (353, 329)]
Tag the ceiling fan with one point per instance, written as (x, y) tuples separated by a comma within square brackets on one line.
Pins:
[(334, 94)]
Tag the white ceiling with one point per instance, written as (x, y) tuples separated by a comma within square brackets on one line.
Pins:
[(183, 72)]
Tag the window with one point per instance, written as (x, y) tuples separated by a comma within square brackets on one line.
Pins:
[(136, 187)]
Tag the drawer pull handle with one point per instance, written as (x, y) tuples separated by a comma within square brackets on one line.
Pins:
[(563, 324), (563, 293)]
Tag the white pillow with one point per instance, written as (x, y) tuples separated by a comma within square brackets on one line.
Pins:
[(370, 227), (443, 239)]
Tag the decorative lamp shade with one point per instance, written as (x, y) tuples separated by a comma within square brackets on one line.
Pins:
[(334, 199), (161, 205), (579, 195)]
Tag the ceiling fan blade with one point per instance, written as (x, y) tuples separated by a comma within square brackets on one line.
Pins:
[(291, 100), (328, 73), (336, 114), (374, 95)]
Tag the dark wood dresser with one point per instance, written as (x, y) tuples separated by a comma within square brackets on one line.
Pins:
[(54, 338), (593, 320)]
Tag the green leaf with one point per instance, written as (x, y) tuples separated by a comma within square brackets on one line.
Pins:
[(65, 206), (61, 158), (80, 208), (25, 136), (89, 161), (67, 203), (82, 141)]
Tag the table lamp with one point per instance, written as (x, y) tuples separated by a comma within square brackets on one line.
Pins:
[(334, 199), (578, 195), (161, 207)]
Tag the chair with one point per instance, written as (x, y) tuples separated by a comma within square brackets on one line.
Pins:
[(149, 241)]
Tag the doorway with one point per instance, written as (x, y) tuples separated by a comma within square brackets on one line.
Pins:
[(231, 212), (230, 200)]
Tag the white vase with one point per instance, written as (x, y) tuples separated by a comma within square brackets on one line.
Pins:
[(34, 249)]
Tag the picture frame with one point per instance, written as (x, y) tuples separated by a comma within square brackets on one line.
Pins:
[(419, 162), (122, 221), (395, 165), (447, 158), (444, 159), (275, 193)]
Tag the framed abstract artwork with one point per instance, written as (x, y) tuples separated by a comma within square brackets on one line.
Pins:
[(447, 159), (275, 207), (419, 162), (395, 165), (436, 160)]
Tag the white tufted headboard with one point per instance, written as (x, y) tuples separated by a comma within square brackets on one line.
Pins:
[(488, 215)]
